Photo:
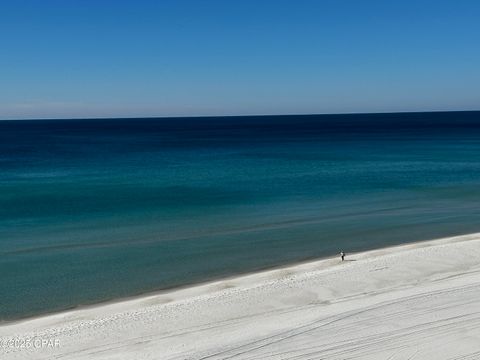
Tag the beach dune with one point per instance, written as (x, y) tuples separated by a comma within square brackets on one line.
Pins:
[(416, 301)]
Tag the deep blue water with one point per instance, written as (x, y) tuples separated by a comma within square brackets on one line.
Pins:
[(92, 210)]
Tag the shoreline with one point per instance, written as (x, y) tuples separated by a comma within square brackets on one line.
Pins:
[(401, 290), (199, 286), (233, 277)]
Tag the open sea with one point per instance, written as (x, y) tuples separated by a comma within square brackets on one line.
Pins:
[(94, 210)]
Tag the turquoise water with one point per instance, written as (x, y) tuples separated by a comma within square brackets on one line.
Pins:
[(92, 210)]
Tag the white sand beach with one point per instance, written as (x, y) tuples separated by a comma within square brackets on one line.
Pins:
[(417, 301)]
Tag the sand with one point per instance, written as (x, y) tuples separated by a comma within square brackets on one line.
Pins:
[(417, 301)]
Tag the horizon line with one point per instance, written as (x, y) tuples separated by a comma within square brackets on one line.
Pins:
[(244, 115)]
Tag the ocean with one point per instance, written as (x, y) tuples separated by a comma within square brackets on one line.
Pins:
[(101, 209)]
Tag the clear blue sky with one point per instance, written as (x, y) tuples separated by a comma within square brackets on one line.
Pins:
[(104, 58)]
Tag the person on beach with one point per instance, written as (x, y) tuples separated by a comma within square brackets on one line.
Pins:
[(342, 255)]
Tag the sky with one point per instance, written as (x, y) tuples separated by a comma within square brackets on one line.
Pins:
[(74, 59)]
